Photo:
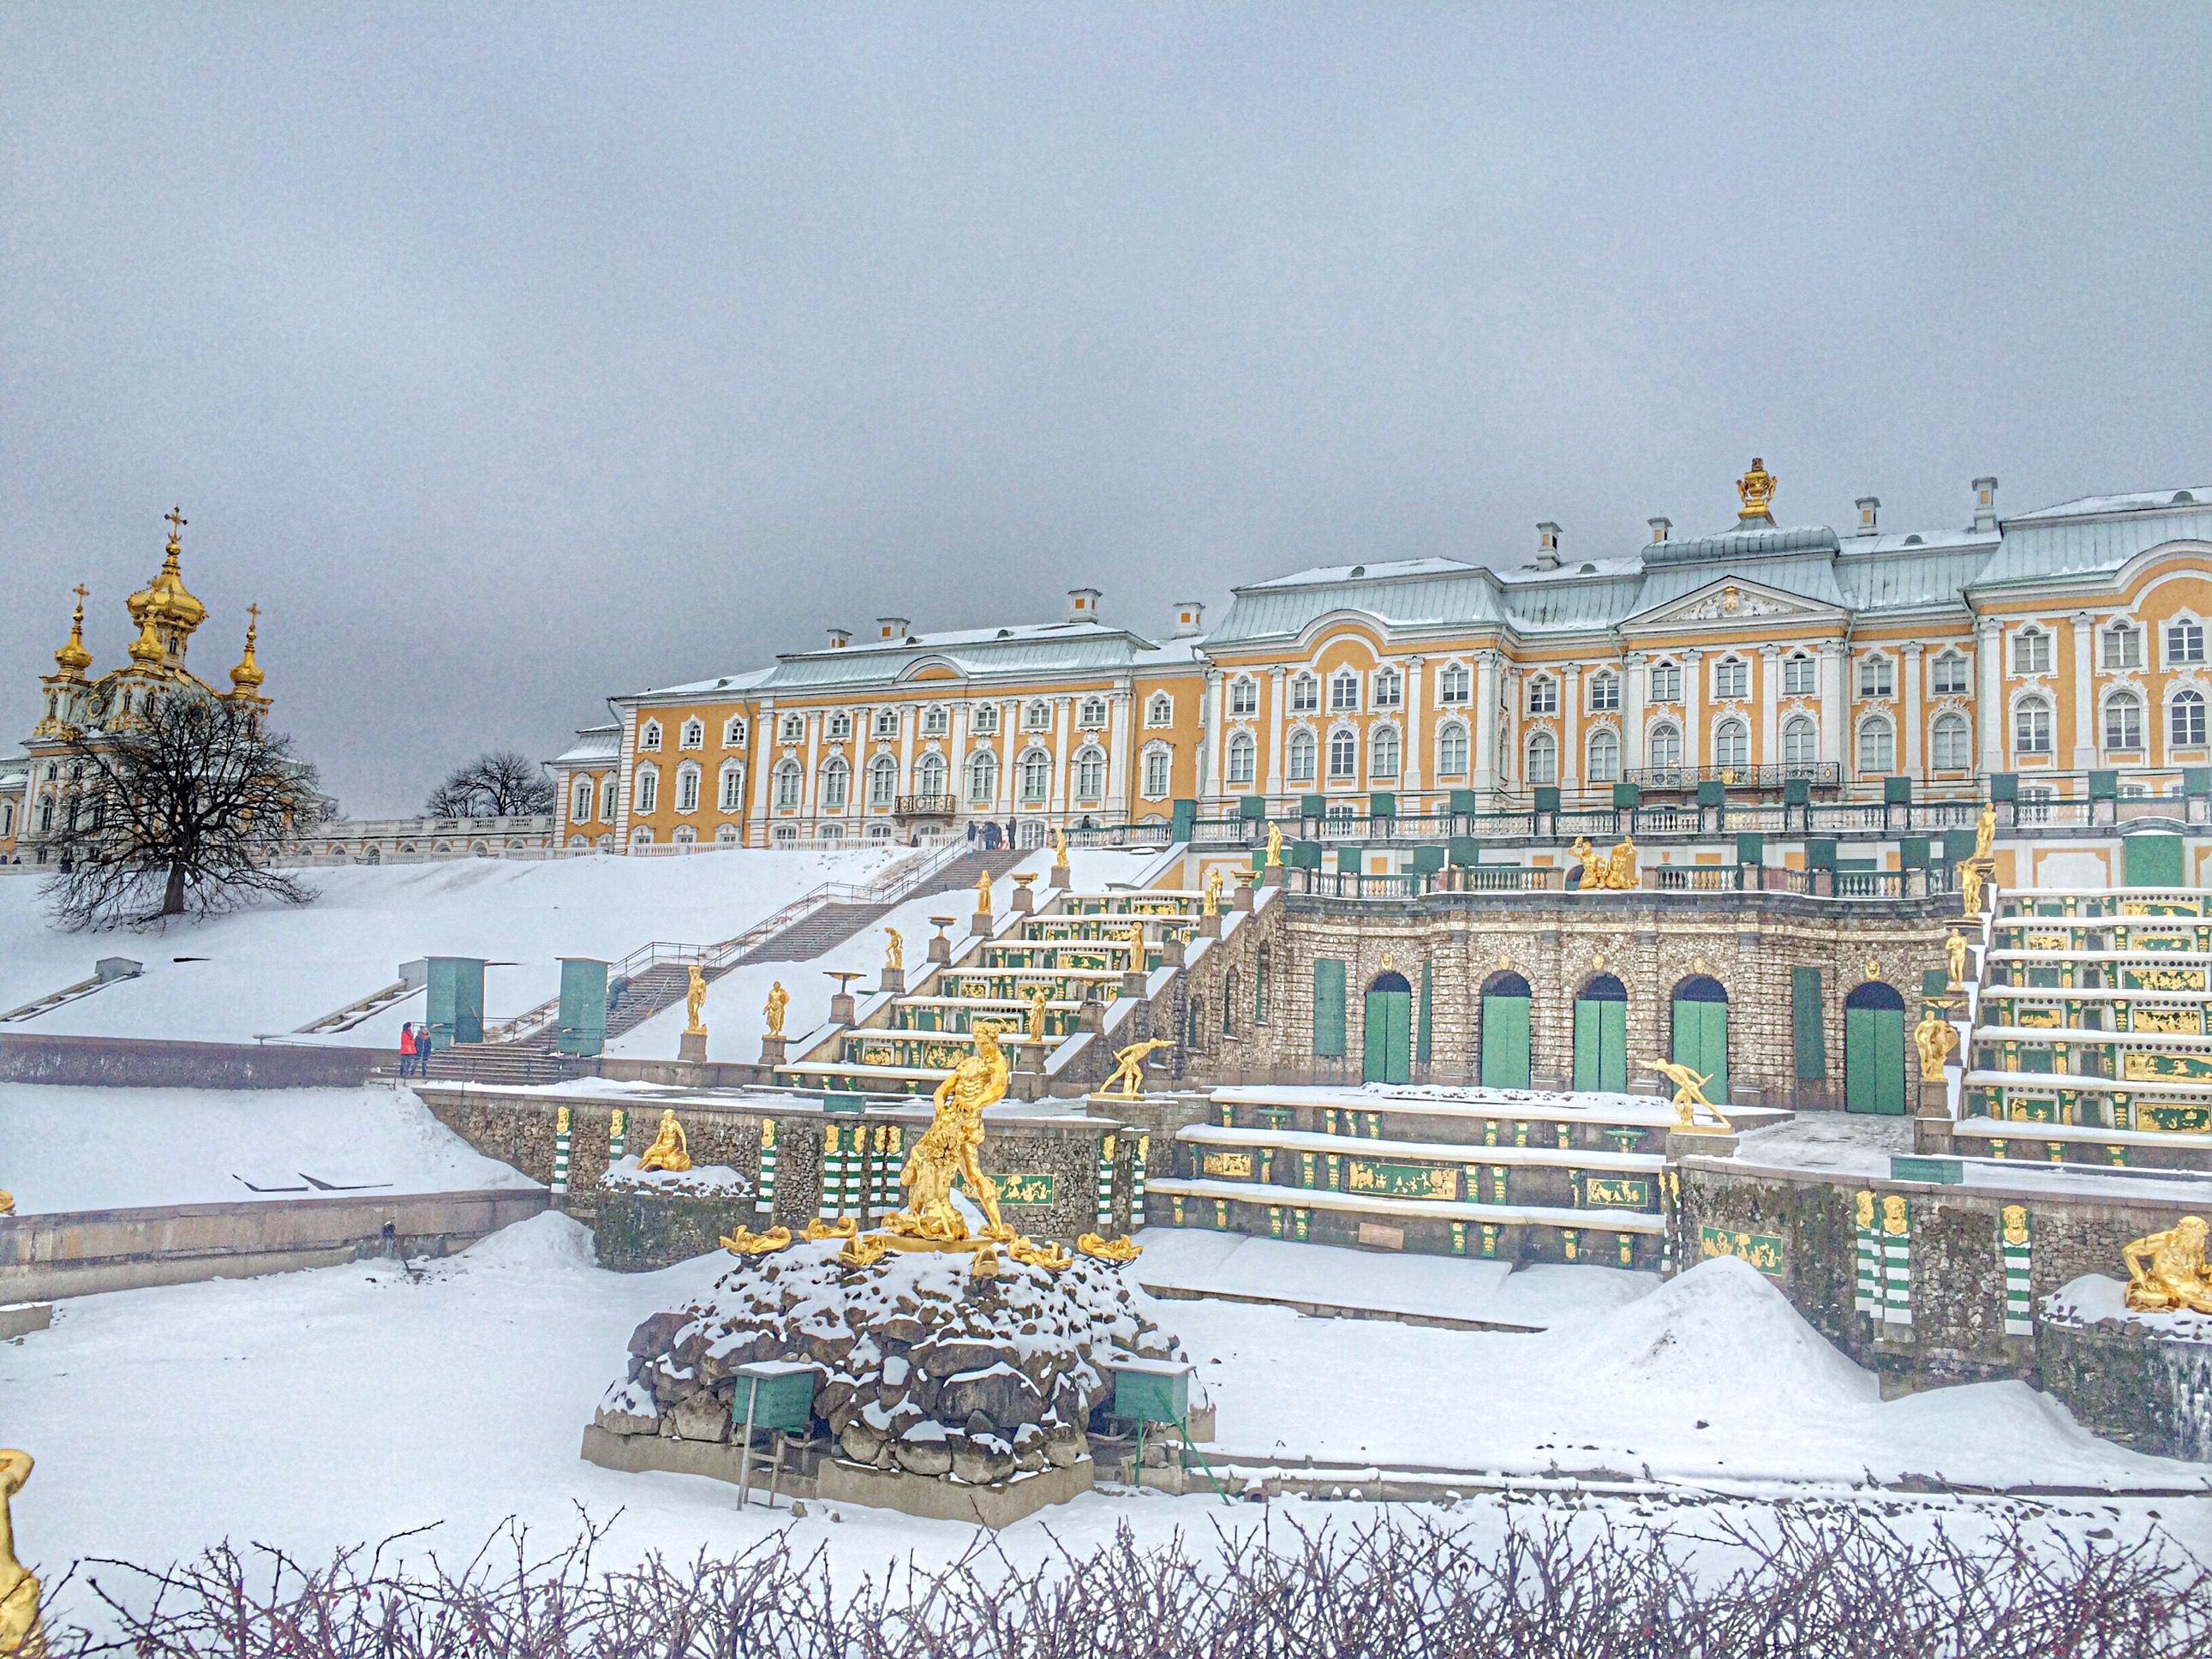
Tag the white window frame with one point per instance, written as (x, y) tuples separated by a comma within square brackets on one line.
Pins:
[(1951, 721), (1159, 709), (2027, 742), (790, 785), (1543, 758), (648, 735), (936, 721), (2121, 701), (2126, 633), (2024, 659), (1605, 692), (1739, 733), (1950, 675), (932, 777), (1389, 689), (1731, 669), (692, 735), (1877, 677), (1088, 768), (1157, 771), (1386, 753), (983, 720), (1543, 695), (1243, 696), (1603, 751), (1303, 750), (734, 731), (1343, 740), (687, 786), (1343, 691), (2178, 734), (2180, 636), (1242, 765), (885, 723), (1662, 735), (791, 728), (1878, 733), (1036, 763), (732, 795), (983, 778), (1454, 685), (837, 784), (1305, 692), (1453, 750), (1801, 675), (1090, 714), (1666, 685)]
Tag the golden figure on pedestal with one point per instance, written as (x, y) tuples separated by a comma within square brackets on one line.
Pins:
[(1134, 939), (1129, 1066), (983, 894), (1212, 893), (1689, 1095), (670, 1149), (778, 1001), (894, 950), (1060, 848), (2167, 1273), (947, 1148), (1620, 865), (1934, 1036), (1954, 954), (1275, 846), (20, 1629), (694, 998), (1985, 830), (1037, 999)]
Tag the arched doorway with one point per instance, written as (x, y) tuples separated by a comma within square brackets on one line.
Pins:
[(1602, 1034), (1873, 1050), (1505, 1031), (1701, 1031), (1386, 1035)]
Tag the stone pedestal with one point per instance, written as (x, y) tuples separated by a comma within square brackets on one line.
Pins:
[(1062, 877), (1171, 952), (692, 1046), (1824, 883), (1133, 983), (979, 926), (1093, 1016), (1025, 901), (841, 1009), (1693, 1143), (894, 981), (1242, 898), (940, 950), (772, 1050), (1271, 876), (1209, 927), (1931, 1118)]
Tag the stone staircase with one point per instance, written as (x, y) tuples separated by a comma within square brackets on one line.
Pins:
[(834, 923), (2090, 1040), (531, 1060)]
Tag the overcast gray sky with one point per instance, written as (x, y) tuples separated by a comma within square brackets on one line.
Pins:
[(512, 358)]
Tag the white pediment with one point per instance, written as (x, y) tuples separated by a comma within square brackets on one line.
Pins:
[(1730, 601)]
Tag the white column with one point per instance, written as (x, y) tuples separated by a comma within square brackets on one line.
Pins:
[(1416, 744), (1274, 784), (1484, 761), (625, 782), (1834, 711), (1989, 693), (1119, 763), (1063, 715), (1770, 706), (810, 757), (1210, 722), (1570, 729), (1693, 696), (956, 766), (2085, 695), (1909, 740), (1634, 683), (1009, 754), (759, 761)]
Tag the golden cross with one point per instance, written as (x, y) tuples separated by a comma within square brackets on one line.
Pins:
[(177, 520), (81, 591), (254, 611)]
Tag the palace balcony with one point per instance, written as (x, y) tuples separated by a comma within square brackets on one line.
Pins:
[(1821, 775), (925, 806)]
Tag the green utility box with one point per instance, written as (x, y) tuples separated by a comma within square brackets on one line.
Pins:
[(1347, 860), (834, 1102), (1547, 797), (1182, 815), (1750, 846), (1427, 860), (583, 1029), (774, 1393), (1626, 794), (1304, 855), (454, 1000), (1151, 1390), (1253, 809), (1313, 806), (1382, 804)]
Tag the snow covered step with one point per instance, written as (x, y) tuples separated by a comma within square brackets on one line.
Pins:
[(1457, 1152)]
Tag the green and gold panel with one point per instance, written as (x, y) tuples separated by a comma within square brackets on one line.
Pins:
[(2162, 979), (1615, 1191), (1762, 1250), (1374, 1178), (1024, 1187), (2175, 1119), (2163, 1019), (2141, 1067), (1224, 1164)]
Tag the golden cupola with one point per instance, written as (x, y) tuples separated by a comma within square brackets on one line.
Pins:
[(166, 611), (72, 660), (245, 678)]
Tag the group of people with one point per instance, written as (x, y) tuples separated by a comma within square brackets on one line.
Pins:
[(415, 1046)]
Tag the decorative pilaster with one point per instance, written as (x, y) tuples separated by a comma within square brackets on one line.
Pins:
[(2085, 695), (764, 1191), (1910, 672), (560, 1149), (1989, 694)]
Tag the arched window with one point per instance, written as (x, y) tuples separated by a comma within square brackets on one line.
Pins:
[(1947, 677), (936, 721), (694, 734), (734, 731), (1605, 693), (1091, 714), (1036, 776), (1389, 689), (726, 835), (607, 800), (684, 836), (1305, 694), (2124, 726), (687, 787), (784, 835), (788, 784), (1543, 695), (649, 738), (1800, 745), (2186, 720), (984, 722), (1302, 750), (2030, 652), (1455, 685), (46, 818), (1732, 745), (1667, 683), (1343, 754), (837, 784), (580, 800), (2031, 725), (791, 728), (1797, 676), (2123, 646), (929, 775), (1451, 751), (1664, 746), (1383, 752), (1344, 692), (1038, 717), (1243, 696), (1543, 758), (1159, 709), (1731, 678), (1951, 748), (1604, 755), (983, 778), (1243, 757), (1877, 748), (887, 722), (1090, 773), (733, 786), (1157, 758), (840, 728), (648, 788), (1877, 677), (883, 781)]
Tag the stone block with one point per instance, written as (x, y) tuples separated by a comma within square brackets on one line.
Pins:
[(691, 1048), (997, 1504), (639, 1232)]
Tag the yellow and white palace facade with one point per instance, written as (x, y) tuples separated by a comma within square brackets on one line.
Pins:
[(2050, 646)]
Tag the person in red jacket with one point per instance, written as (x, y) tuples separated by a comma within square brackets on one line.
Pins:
[(406, 1047)]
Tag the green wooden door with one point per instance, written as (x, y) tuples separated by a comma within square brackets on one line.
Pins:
[(2151, 861), (1601, 1044), (1505, 1042), (1873, 1060), (1328, 1009), (1701, 1042), (1387, 1050)]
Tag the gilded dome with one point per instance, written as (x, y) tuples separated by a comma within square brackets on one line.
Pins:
[(167, 596), (247, 675), (73, 659)]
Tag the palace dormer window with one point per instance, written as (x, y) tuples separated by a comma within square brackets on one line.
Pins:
[(693, 733), (1159, 709), (1305, 694), (1543, 695), (734, 731), (1389, 689), (1243, 696), (1344, 692), (1454, 685), (887, 722), (1731, 678), (1038, 717), (2123, 646), (838, 727), (936, 721), (1090, 714), (1947, 676), (985, 722), (649, 736), (1667, 687), (2184, 643), (1605, 692), (1877, 678), (1798, 675), (2030, 652), (792, 729)]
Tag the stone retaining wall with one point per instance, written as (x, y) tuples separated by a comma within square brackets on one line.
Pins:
[(135, 1063), (2124, 1384)]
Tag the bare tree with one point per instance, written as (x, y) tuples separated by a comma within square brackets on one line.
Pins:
[(180, 812), (497, 784)]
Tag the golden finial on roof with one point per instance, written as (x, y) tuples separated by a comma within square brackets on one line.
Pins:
[(167, 593), (247, 675), (1756, 491), (177, 521), (73, 659)]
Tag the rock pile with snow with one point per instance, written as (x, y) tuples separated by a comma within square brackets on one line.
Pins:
[(923, 1369), (2096, 1301), (699, 1181)]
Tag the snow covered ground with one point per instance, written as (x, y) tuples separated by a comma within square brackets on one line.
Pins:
[(95, 1149), (317, 1408), (274, 968)]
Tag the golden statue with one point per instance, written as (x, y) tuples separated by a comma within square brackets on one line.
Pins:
[(1052, 1257), (1934, 1036), (20, 1629), (843, 1227), (894, 950), (1689, 1094), (1060, 848), (1973, 879), (947, 1149), (2016, 1223), (983, 894), (1955, 953), (2165, 1271), (1756, 491), (1117, 1250), (1212, 893), (741, 1242), (1586, 855), (694, 998), (7, 1203), (778, 1001), (1038, 997), (1892, 1214), (1275, 845), (1986, 829), (1129, 1066), (1619, 869), (1134, 939), (670, 1149)]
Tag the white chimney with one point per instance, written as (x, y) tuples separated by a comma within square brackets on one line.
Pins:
[(1660, 528), (1190, 619), (1985, 503), (1547, 546), (1870, 514), (840, 638), (891, 627), (1082, 604)]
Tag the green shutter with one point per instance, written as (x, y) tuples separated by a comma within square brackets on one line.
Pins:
[(1873, 1060), (1421, 1032), (1807, 1036), (1505, 1042), (1701, 1043), (1328, 1009), (1601, 1045), (1889, 1062), (1589, 1044)]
